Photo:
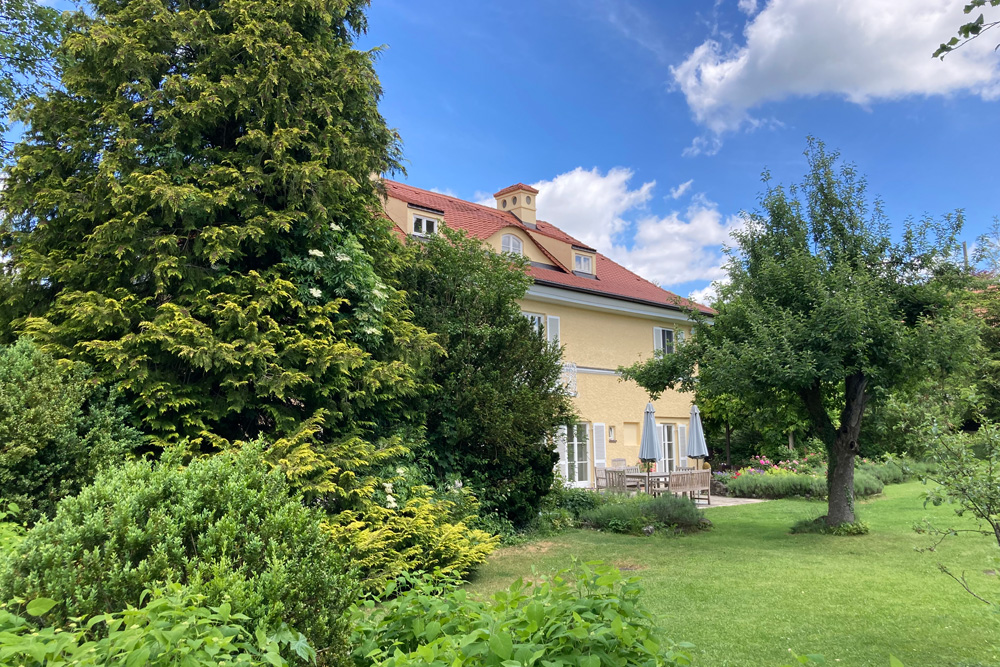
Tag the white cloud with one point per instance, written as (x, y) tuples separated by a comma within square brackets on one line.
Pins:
[(678, 192), (706, 295), (445, 191), (589, 205), (860, 50), (682, 246), (484, 198), (748, 6), (601, 209)]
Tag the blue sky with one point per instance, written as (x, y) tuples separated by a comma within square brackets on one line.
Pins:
[(646, 125)]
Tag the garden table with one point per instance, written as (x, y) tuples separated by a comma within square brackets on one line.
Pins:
[(657, 480)]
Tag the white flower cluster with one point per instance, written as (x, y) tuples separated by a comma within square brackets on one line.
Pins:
[(390, 502), (316, 253), (315, 292)]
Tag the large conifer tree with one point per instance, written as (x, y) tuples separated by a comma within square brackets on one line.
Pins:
[(194, 214)]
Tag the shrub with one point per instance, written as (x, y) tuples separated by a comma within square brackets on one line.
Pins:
[(631, 515), (422, 532), (785, 486), (589, 616), (887, 472), (226, 526), (866, 485), (57, 429), (574, 500), (820, 526), (172, 628), (777, 486), (11, 532)]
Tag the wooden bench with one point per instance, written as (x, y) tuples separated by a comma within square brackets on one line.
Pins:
[(695, 484)]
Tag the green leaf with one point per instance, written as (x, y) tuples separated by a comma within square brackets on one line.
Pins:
[(40, 606), (502, 645), (138, 658)]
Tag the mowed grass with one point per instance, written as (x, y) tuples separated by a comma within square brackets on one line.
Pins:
[(748, 591)]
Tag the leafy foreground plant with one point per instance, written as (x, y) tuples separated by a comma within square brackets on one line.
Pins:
[(589, 615), (172, 628), (226, 526)]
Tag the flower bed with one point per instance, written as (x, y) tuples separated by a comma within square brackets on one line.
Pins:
[(805, 476)]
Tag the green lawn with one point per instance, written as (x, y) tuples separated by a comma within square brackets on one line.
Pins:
[(748, 591)]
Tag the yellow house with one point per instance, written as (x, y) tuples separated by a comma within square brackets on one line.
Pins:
[(602, 314)]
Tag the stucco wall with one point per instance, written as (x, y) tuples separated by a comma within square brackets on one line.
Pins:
[(598, 342)]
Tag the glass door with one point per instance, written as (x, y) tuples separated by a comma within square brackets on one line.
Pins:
[(577, 456), (666, 464)]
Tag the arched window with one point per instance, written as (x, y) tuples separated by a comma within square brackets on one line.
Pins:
[(512, 244)]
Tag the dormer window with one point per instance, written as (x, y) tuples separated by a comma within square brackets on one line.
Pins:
[(424, 226), (584, 263), (512, 244)]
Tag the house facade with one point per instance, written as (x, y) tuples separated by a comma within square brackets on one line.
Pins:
[(602, 314)]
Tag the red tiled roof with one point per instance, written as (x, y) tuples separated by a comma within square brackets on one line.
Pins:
[(613, 280), (516, 186)]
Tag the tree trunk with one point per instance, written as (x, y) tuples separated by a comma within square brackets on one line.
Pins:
[(840, 482), (841, 443), (729, 430), (840, 475), (791, 441)]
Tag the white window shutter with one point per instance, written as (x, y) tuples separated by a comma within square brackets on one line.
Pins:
[(600, 446), (562, 467), (657, 339), (553, 329), (682, 443)]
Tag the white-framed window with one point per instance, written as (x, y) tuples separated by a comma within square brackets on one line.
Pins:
[(663, 340), (512, 244), (537, 321), (583, 263), (424, 226), (611, 434)]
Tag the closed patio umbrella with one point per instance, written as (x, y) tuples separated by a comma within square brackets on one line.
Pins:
[(697, 449), (649, 448)]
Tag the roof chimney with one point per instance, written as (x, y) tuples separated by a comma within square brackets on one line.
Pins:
[(519, 199)]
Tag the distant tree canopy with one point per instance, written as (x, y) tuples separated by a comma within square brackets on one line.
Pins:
[(499, 395), (193, 213), (824, 313)]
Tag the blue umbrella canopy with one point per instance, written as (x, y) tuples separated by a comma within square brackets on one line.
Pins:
[(697, 449), (649, 448)]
